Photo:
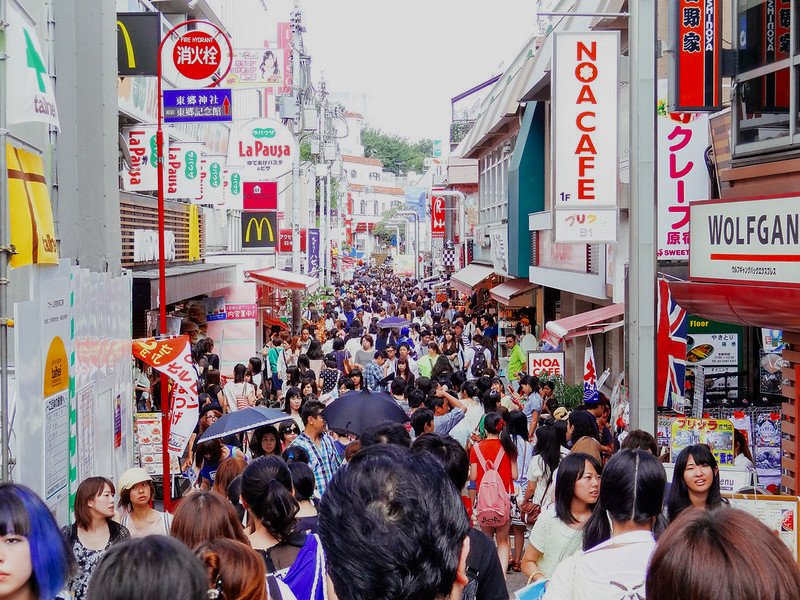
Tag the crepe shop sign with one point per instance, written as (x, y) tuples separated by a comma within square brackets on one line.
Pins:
[(585, 101)]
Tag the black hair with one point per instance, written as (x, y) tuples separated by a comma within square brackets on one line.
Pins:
[(584, 424), (549, 449), (448, 452), (381, 354), (347, 383), (314, 350), (311, 408), (517, 425), (238, 373), (302, 480), (303, 363), (420, 419), (266, 487), (296, 454), (400, 506), (560, 428), (255, 365), (291, 393), (470, 389), (640, 439), (552, 404), (255, 442), (678, 500), (424, 384), (165, 570), (338, 344), (532, 381), (631, 490), (492, 424), (388, 432), (548, 384), (416, 398), (490, 401), (571, 469), (397, 387)]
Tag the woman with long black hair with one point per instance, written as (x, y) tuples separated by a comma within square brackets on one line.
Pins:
[(695, 481), (618, 538)]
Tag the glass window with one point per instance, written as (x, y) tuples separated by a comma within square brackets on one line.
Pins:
[(353, 174), (766, 86), (375, 207), (363, 207)]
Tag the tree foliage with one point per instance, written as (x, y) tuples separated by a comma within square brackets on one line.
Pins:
[(397, 154), (382, 231)]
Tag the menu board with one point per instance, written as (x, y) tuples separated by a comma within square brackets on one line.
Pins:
[(716, 433), (779, 513), (149, 439)]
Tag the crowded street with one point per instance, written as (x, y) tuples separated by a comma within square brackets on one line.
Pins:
[(338, 300)]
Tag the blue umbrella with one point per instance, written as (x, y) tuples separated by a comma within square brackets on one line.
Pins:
[(357, 411), (243, 420), (393, 323)]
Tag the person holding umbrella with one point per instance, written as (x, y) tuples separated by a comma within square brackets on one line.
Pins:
[(325, 460)]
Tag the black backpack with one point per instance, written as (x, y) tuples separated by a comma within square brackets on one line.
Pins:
[(478, 365)]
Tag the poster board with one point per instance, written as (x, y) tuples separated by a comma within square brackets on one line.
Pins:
[(716, 433), (547, 365), (779, 513), (149, 442)]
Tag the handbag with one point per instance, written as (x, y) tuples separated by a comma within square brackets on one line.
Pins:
[(529, 510)]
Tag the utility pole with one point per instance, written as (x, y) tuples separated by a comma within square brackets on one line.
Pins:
[(5, 255), (640, 301), (297, 95), (324, 183)]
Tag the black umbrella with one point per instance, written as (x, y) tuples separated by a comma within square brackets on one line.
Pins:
[(356, 411), (243, 420), (393, 323)]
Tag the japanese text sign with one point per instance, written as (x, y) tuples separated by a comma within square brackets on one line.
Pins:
[(240, 311), (682, 175), (197, 55), (585, 161), (695, 68), (262, 148), (210, 104), (286, 240), (437, 217), (261, 195), (717, 434)]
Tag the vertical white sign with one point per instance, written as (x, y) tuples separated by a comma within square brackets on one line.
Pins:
[(143, 173), (585, 160), (682, 174), (184, 161)]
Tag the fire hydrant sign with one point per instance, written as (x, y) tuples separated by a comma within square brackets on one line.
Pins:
[(585, 161), (197, 55)]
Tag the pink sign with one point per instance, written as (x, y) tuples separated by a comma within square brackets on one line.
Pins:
[(240, 311)]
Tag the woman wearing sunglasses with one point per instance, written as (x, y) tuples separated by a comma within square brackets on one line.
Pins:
[(288, 432)]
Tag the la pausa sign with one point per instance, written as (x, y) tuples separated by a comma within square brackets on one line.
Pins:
[(263, 146)]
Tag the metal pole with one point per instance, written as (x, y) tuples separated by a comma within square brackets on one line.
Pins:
[(328, 256), (640, 303), (298, 99), (5, 252)]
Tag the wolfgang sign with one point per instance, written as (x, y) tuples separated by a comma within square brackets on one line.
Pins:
[(749, 240), (263, 147), (585, 160)]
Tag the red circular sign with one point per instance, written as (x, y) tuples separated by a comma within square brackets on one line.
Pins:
[(197, 55)]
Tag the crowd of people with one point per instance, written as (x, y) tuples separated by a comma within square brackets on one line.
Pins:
[(488, 474)]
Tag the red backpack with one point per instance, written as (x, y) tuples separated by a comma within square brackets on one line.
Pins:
[(494, 502)]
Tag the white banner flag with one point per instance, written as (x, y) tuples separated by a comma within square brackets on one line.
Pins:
[(183, 170), (29, 95), (143, 174), (232, 183), (213, 190)]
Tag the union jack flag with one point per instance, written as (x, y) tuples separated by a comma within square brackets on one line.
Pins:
[(670, 346)]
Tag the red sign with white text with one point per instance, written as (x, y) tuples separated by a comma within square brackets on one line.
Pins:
[(437, 216), (197, 55), (261, 195), (285, 240), (697, 66)]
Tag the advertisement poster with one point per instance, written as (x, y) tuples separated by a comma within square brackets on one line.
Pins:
[(717, 347), (241, 311), (262, 149), (215, 308), (546, 365), (770, 375), (256, 68), (716, 433), (142, 176), (313, 251), (86, 401), (779, 513), (184, 160), (148, 433), (56, 446)]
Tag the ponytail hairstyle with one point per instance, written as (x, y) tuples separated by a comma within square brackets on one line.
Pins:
[(234, 569), (267, 490), (548, 447), (631, 491), (493, 423)]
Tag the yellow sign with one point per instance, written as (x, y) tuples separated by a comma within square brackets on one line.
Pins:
[(128, 45), (194, 233), (32, 231), (56, 368)]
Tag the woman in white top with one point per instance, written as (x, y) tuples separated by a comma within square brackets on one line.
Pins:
[(558, 531), (743, 456), (518, 429), (239, 393), (136, 492), (618, 539), (541, 471)]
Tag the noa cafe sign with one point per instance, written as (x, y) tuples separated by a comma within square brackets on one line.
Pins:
[(264, 147), (546, 365), (585, 106)]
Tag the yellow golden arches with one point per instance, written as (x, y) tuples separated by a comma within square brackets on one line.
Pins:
[(128, 45)]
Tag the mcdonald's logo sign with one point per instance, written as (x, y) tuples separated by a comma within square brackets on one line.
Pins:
[(259, 229), (138, 38)]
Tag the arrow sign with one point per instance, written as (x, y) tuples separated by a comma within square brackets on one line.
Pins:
[(226, 106), (197, 106), (437, 217)]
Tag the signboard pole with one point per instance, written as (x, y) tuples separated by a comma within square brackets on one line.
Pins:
[(640, 301), (162, 276), (5, 252)]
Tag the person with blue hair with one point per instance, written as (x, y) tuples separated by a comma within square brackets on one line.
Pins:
[(35, 561)]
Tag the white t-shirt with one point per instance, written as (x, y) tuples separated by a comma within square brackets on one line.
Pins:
[(612, 570), (231, 390), (742, 461), (472, 417), (555, 540), (539, 473)]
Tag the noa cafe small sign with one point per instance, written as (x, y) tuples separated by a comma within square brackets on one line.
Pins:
[(546, 365)]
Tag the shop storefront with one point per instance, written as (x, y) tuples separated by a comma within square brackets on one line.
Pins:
[(516, 314)]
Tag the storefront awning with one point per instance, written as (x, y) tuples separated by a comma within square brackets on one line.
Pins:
[(183, 282), (282, 279), (759, 306), (468, 278), (599, 320), (514, 292)]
